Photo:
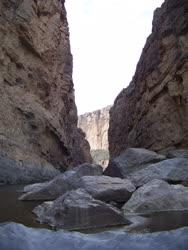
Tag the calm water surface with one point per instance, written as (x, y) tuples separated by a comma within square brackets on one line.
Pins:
[(11, 209)]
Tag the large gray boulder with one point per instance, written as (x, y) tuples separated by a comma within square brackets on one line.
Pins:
[(60, 184), (18, 237), (172, 170), (155, 196), (106, 188), (131, 160), (78, 210), (18, 172)]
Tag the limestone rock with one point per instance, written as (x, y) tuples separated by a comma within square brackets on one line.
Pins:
[(101, 157), (19, 237), (38, 116), (13, 172), (60, 184), (178, 153), (157, 195), (153, 111), (173, 171), (95, 125), (106, 188), (131, 160), (78, 210)]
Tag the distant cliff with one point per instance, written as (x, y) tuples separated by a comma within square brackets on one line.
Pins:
[(38, 117), (95, 126), (152, 112)]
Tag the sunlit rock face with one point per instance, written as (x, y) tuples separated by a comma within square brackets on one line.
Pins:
[(153, 111), (95, 125), (38, 116)]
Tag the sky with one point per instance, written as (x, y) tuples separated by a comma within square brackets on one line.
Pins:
[(107, 38)]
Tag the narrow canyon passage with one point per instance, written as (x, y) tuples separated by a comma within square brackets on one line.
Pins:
[(114, 178)]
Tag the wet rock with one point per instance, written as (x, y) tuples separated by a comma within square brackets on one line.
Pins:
[(14, 172), (131, 160), (18, 237), (172, 170), (78, 210), (106, 188), (156, 196), (60, 184)]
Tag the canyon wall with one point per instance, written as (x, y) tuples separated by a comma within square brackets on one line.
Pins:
[(153, 111), (38, 116), (95, 125)]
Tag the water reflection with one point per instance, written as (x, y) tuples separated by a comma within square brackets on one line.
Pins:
[(11, 209), (163, 221)]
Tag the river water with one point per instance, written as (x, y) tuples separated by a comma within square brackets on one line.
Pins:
[(11, 209)]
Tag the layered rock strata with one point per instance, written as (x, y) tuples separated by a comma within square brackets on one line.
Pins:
[(153, 111), (38, 116), (95, 126)]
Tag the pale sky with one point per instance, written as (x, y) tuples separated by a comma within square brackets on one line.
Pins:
[(107, 37)]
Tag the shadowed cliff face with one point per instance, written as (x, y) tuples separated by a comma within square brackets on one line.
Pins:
[(38, 116), (153, 111)]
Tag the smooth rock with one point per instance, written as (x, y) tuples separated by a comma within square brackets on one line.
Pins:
[(131, 160), (18, 237), (106, 188), (156, 196), (77, 209), (172, 170), (178, 153), (18, 172), (60, 184)]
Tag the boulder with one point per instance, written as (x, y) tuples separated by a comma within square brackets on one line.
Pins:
[(60, 184), (156, 196), (106, 188), (178, 153), (131, 160), (18, 172), (172, 170), (78, 210), (18, 237)]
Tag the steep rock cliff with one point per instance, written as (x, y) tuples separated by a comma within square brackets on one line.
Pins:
[(153, 111), (95, 125), (38, 116)]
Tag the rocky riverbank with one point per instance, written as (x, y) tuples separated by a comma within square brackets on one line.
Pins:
[(84, 197)]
